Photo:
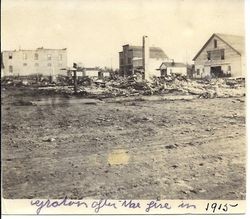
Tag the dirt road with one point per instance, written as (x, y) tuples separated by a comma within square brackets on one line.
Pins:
[(172, 149)]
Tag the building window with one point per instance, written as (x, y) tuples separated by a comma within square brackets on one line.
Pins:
[(60, 56), (121, 61), (209, 55), (215, 43), (10, 56), (129, 60), (198, 71), (24, 64), (222, 54), (36, 64), (36, 56), (229, 68), (25, 56), (11, 69), (49, 64), (49, 57)]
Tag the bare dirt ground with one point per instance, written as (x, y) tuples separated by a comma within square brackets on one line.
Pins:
[(179, 149)]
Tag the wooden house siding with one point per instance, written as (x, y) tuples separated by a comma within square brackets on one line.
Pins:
[(232, 59), (168, 69)]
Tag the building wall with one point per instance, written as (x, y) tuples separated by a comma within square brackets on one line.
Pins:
[(126, 57), (130, 59), (121, 64), (91, 73), (39, 61), (153, 66), (105, 74), (173, 70), (231, 60), (137, 62), (177, 70)]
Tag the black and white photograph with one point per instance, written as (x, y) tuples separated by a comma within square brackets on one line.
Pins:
[(123, 100)]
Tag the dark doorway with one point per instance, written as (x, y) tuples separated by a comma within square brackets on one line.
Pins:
[(216, 71), (163, 72)]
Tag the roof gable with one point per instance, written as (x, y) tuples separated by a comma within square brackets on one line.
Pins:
[(233, 41), (154, 52), (157, 53), (236, 42)]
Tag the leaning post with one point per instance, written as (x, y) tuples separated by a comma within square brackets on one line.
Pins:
[(75, 77)]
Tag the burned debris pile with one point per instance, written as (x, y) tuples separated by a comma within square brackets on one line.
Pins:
[(134, 86), (209, 88)]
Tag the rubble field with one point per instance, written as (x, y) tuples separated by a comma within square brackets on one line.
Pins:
[(128, 148), (133, 86)]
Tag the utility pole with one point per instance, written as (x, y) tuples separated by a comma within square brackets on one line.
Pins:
[(145, 56), (75, 77)]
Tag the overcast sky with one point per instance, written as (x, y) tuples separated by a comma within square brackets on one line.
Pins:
[(95, 30)]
